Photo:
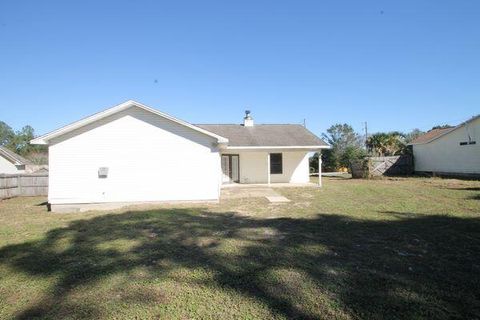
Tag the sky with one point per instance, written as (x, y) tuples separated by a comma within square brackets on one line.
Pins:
[(398, 65)]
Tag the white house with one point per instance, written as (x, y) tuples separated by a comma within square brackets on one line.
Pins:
[(11, 163), (134, 153), (449, 151)]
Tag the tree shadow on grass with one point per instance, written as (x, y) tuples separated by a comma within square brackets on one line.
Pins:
[(422, 267), (468, 189), (474, 197), (471, 196)]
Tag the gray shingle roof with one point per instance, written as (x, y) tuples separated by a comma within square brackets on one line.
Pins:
[(259, 135), (13, 157)]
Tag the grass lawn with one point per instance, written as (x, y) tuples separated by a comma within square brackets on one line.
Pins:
[(394, 248)]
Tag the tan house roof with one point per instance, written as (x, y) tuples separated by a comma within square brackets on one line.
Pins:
[(430, 135), (437, 133)]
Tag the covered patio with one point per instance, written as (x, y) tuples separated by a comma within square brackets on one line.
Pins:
[(266, 154), (279, 167)]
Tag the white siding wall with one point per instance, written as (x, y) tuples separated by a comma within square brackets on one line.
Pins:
[(447, 155), (149, 159), (8, 167), (253, 167), (295, 168)]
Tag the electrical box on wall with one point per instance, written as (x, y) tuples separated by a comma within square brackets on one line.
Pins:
[(103, 172)]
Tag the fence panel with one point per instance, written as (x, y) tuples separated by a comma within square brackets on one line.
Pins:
[(382, 166), (32, 184)]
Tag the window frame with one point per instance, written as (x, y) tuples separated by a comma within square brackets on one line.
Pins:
[(278, 164)]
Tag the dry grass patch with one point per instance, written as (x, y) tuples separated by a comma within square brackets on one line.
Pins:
[(397, 248)]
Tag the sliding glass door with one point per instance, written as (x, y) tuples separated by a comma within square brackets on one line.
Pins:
[(230, 168)]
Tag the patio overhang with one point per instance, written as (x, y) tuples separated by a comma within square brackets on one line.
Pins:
[(275, 148), (262, 154)]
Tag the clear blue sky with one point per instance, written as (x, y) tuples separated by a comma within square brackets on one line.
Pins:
[(396, 64)]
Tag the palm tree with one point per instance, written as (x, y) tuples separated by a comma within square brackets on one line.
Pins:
[(386, 143)]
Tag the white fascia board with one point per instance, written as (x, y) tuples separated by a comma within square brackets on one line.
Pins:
[(12, 160), (277, 147), (220, 139), (130, 103), (8, 157)]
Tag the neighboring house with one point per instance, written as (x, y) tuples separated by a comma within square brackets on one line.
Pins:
[(133, 153), (11, 163), (449, 151)]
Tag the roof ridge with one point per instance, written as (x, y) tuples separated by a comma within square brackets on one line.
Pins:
[(241, 125)]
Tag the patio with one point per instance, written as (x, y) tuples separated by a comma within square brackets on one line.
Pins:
[(238, 191)]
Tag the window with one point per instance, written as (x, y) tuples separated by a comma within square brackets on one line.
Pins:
[(276, 165)]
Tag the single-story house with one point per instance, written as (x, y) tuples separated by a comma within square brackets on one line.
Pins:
[(449, 151), (134, 153), (11, 163)]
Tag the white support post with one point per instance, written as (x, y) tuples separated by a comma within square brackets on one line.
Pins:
[(268, 168), (320, 168)]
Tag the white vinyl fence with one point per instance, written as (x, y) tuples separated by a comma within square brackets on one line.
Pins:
[(27, 184)]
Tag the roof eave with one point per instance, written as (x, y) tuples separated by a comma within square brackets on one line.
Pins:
[(38, 141), (13, 159), (277, 147)]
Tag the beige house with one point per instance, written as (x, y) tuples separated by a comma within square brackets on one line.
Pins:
[(134, 153), (449, 151)]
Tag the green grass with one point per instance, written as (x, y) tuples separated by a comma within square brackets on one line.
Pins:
[(355, 249)]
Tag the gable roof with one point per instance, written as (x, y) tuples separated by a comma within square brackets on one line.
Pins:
[(258, 136), (13, 157), (437, 133), (266, 135), (118, 108)]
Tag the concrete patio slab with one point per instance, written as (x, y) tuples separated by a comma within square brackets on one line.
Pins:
[(236, 193), (277, 199), (253, 192), (266, 185)]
